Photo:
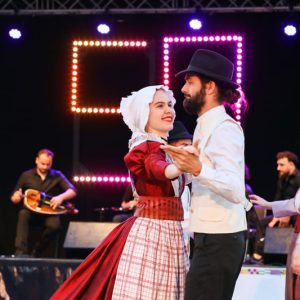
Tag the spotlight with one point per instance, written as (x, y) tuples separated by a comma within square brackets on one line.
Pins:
[(15, 33), (103, 28), (195, 24), (290, 30)]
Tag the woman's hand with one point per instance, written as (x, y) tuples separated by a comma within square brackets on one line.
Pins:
[(260, 201)]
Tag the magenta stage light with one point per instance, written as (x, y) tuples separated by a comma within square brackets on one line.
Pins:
[(233, 40), (106, 179), (15, 33), (290, 30), (103, 28), (195, 24)]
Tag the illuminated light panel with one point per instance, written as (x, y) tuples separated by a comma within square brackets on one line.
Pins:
[(95, 110), (101, 179), (234, 40), (75, 72)]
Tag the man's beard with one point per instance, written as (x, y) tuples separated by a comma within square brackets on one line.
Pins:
[(194, 104), (283, 176), (43, 171)]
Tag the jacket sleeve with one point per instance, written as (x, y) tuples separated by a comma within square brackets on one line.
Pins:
[(147, 161), (287, 207)]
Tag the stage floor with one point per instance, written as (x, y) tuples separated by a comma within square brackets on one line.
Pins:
[(260, 283), (37, 279)]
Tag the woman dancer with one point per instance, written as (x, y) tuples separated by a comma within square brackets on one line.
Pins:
[(144, 257)]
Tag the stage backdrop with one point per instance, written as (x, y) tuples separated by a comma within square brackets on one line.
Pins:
[(36, 96)]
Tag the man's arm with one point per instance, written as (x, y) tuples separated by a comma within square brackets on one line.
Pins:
[(17, 195), (226, 152), (59, 199), (130, 205), (69, 193)]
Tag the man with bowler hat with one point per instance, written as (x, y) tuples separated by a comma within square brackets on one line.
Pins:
[(216, 160)]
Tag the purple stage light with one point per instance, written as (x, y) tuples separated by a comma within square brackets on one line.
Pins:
[(15, 33), (103, 28), (195, 24), (233, 40), (290, 30)]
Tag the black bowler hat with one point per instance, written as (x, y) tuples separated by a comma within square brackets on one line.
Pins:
[(179, 132), (212, 65)]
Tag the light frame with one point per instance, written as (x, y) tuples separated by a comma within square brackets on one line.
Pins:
[(236, 40), (104, 179), (76, 106)]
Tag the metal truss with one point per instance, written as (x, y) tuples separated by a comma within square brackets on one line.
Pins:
[(77, 7)]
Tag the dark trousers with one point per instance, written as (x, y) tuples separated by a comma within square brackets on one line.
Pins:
[(51, 225), (215, 266)]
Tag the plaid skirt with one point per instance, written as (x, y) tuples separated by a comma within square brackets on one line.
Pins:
[(153, 263)]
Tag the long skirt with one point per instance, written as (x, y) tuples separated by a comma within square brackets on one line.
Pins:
[(141, 258)]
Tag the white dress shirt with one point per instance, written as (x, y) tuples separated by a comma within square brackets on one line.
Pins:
[(218, 193)]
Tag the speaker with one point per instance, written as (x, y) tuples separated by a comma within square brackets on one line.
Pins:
[(276, 246), (87, 235)]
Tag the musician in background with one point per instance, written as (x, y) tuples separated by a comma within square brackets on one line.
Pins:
[(287, 186), (52, 182), (128, 205)]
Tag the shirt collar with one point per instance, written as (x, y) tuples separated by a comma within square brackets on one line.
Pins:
[(208, 117), (141, 138), (49, 173)]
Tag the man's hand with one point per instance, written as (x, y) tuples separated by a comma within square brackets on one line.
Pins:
[(185, 158), (56, 201), (3, 293), (273, 222), (129, 205), (283, 222), (17, 196)]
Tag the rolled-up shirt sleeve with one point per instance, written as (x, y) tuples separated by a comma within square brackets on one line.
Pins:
[(225, 176), (289, 207), (64, 183)]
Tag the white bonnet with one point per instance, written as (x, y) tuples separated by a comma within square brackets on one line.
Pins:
[(135, 108)]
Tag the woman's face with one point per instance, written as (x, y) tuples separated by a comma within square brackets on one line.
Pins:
[(161, 115)]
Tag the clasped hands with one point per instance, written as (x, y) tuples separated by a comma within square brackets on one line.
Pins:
[(186, 158)]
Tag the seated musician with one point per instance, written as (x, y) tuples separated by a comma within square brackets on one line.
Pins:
[(128, 205), (51, 182)]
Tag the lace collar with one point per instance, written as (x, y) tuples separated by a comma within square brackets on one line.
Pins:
[(142, 137)]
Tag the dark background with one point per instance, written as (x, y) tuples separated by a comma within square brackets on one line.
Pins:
[(35, 92)]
